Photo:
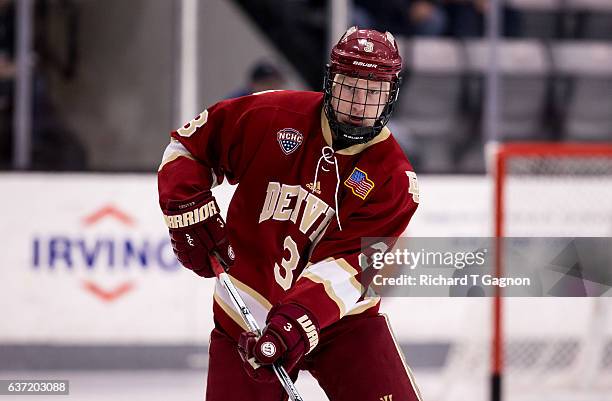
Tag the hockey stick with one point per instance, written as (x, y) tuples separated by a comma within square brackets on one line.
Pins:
[(251, 323)]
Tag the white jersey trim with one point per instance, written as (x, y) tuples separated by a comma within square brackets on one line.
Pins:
[(338, 279), (364, 305), (257, 304), (173, 151)]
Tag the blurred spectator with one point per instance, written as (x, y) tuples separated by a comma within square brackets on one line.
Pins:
[(402, 17), (467, 18), (263, 76)]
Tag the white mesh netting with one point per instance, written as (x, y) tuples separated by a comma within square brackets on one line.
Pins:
[(555, 348)]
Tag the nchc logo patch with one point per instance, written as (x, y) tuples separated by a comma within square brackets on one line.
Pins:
[(359, 183), (289, 140)]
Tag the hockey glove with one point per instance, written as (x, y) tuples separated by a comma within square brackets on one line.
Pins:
[(197, 232), (290, 334)]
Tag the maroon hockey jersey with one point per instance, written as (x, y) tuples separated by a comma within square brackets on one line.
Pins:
[(290, 245)]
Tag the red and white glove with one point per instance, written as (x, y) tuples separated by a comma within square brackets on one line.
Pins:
[(290, 334), (197, 232)]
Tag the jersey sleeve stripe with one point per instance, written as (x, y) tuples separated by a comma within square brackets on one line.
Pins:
[(352, 272), (261, 300), (338, 278), (329, 290), (173, 151), (364, 305), (258, 305), (336, 271), (229, 310)]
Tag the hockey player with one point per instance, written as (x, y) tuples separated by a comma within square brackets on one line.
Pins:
[(316, 172)]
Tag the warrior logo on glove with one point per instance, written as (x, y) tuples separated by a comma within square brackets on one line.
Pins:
[(197, 233), (192, 217)]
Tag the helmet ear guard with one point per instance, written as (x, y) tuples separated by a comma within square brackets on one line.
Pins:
[(362, 54)]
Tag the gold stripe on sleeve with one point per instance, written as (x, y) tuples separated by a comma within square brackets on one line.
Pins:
[(257, 296), (367, 304), (352, 271), (328, 289)]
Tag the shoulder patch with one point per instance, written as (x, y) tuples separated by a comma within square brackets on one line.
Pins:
[(359, 183), (289, 140), (413, 186)]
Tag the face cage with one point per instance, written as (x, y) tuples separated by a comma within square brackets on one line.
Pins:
[(348, 134)]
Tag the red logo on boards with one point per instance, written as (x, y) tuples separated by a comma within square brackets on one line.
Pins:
[(112, 294), (108, 211)]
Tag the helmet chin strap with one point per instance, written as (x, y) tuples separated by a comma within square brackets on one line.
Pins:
[(345, 136)]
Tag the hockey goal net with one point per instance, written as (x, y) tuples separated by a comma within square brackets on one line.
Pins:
[(545, 348), (554, 348)]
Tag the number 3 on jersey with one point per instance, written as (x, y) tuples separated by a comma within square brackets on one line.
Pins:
[(413, 186), (288, 265)]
